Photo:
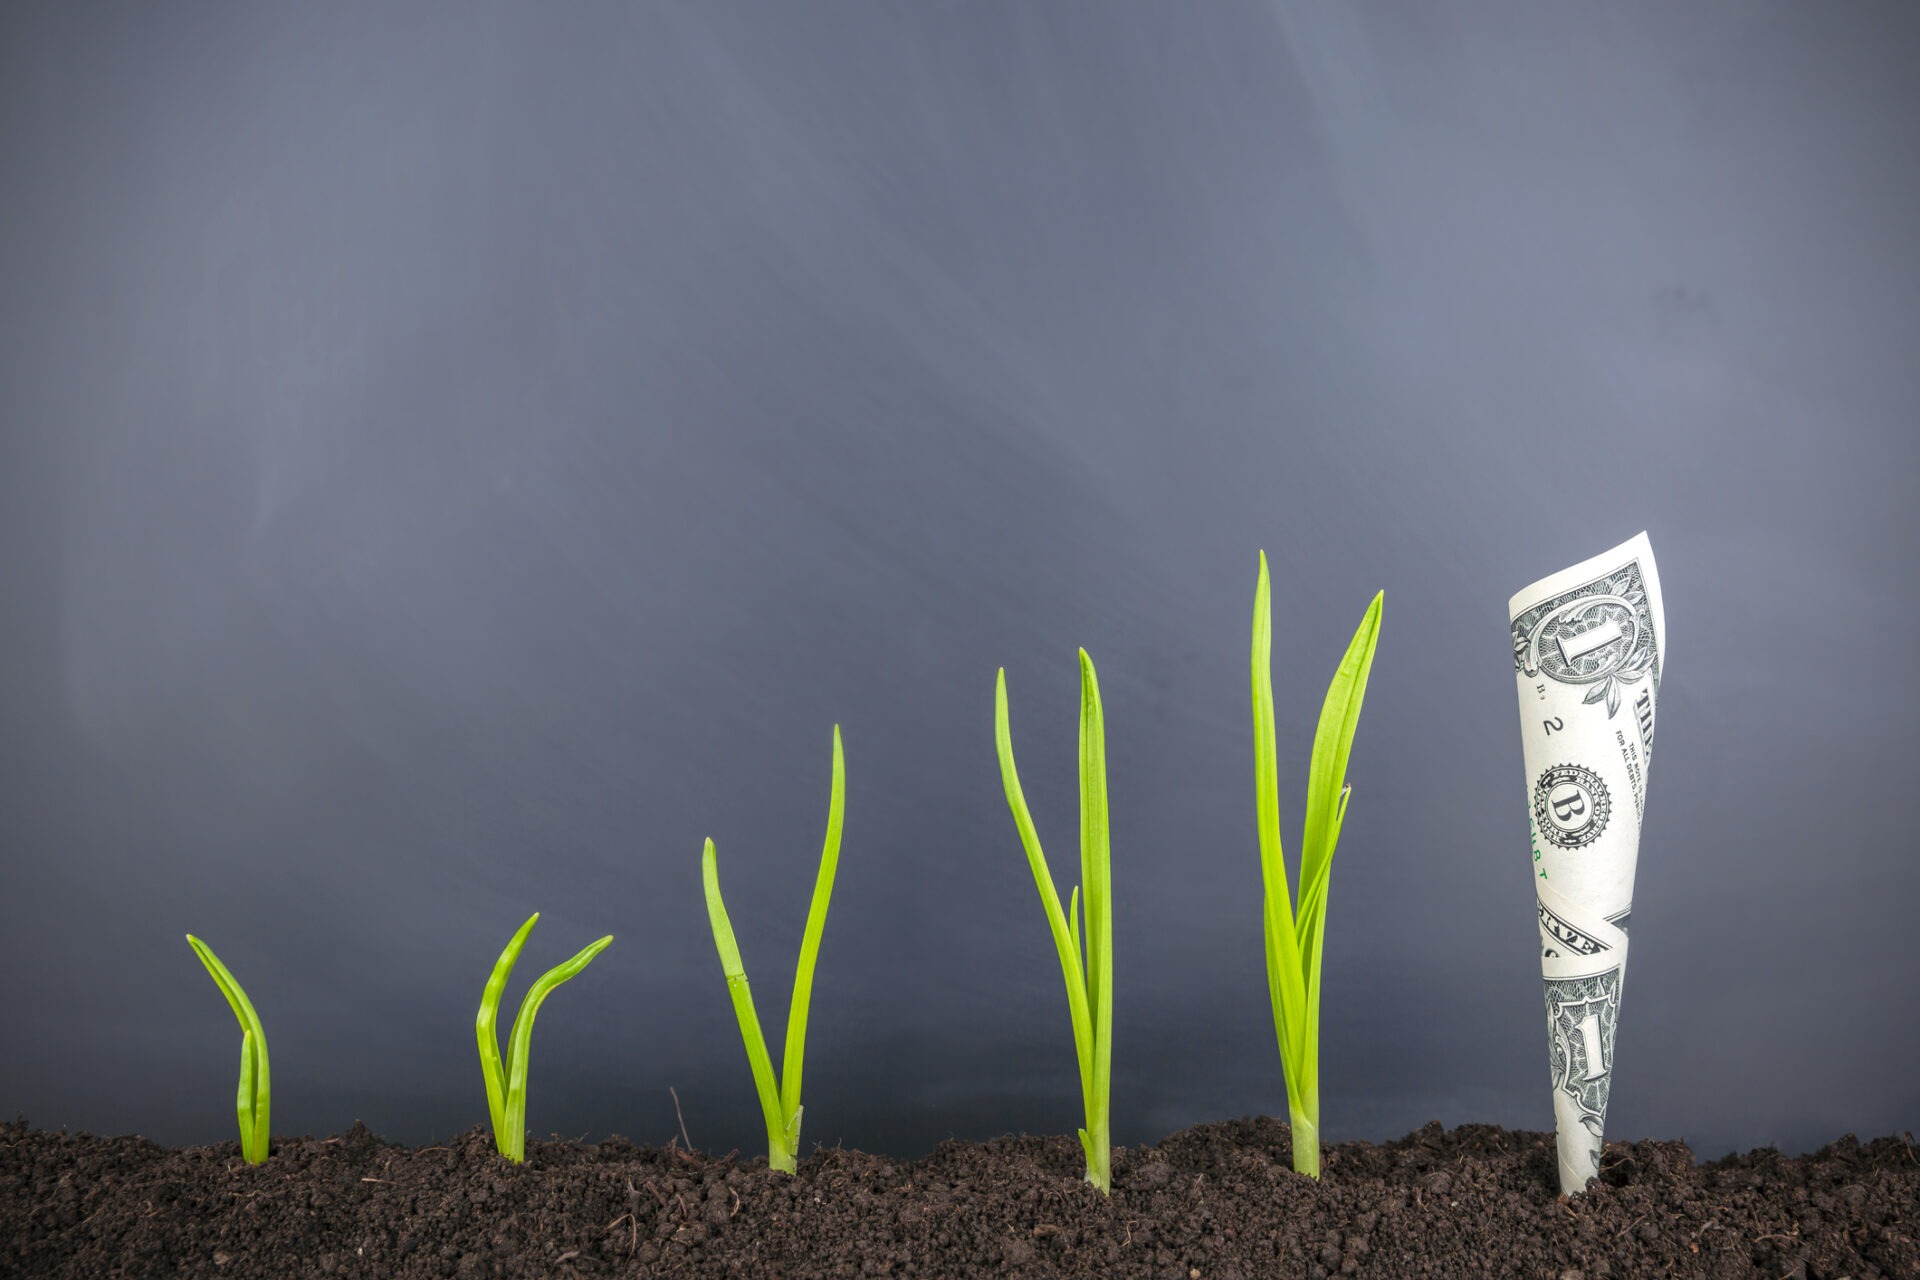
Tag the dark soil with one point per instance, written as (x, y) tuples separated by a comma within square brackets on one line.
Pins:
[(1217, 1202)]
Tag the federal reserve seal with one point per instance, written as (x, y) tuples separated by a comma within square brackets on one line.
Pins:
[(1571, 806)]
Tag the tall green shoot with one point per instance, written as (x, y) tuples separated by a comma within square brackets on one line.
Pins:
[(1294, 942), (254, 1102), (1086, 964), (507, 1080), (780, 1098)]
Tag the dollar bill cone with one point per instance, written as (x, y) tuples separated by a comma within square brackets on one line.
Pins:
[(1294, 940), (1589, 653)]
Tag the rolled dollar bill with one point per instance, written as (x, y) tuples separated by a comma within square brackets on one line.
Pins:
[(1587, 654)]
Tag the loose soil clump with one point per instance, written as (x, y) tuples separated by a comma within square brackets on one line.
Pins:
[(1216, 1202)]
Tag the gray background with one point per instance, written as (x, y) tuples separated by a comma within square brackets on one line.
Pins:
[(457, 457)]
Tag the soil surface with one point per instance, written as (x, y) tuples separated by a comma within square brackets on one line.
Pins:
[(1217, 1202)]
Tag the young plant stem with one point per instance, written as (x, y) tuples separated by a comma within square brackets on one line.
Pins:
[(507, 1080), (1305, 1120), (254, 1100), (1086, 961), (1295, 942), (780, 1097)]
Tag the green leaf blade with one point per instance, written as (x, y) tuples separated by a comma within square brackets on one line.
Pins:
[(1064, 945), (522, 1042), (1096, 873), (1286, 987), (244, 1103), (486, 1032), (256, 1091), (1073, 934), (1327, 783), (794, 1057), (743, 1011)]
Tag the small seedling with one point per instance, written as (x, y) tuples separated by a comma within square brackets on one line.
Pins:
[(1294, 942), (1088, 966), (507, 1082), (256, 1095), (780, 1099)]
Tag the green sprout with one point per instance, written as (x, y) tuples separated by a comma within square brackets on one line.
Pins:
[(507, 1082), (256, 1095), (1088, 967), (780, 1099), (1294, 942)]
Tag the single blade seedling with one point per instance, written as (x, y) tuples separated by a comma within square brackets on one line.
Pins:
[(1086, 964), (254, 1102), (1294, 942), (507, 1080), (780, 1098)]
